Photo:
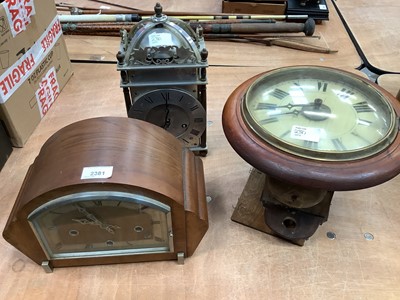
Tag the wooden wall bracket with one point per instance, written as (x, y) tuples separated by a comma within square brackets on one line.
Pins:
[(256, 208)]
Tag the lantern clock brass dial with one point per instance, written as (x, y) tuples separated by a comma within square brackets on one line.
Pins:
[(311, 130), (174, 110)]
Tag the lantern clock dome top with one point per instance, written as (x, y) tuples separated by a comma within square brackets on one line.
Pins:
[(161, 40)]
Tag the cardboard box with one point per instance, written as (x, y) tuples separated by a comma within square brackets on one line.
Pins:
[(275, 8), (5, 147), (34, 64)]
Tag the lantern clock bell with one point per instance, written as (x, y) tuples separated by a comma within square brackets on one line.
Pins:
[(163, 64)]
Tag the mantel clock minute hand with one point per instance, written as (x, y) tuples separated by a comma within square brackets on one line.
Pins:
[(92, 220)]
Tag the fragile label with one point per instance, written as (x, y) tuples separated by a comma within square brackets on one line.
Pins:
[(305, 133), (97, 172), (48, 91), (19, 14), (16, 75), (160, 39)]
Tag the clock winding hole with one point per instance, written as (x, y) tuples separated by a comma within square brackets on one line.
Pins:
[(138, 228), (73, 232), (289, 223)]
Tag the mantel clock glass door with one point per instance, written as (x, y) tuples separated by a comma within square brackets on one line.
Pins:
[(163, 64), (311, 129), (94, 224), (95, 196)]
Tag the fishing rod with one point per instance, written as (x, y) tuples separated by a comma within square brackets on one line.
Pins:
[(138, 17), (282, 41), (308, 28)]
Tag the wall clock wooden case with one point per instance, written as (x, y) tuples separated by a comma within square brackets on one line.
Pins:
[(110, 190)]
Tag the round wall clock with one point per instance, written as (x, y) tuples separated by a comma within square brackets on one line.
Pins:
[(94, 195), (310, 131)]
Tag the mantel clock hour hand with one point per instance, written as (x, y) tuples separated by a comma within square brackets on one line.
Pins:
[(92, 220)]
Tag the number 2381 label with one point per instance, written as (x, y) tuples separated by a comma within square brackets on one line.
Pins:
[(97, 172)]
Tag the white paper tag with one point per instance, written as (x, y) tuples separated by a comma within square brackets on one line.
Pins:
[(305, 133), (160, 39), (97, 172), (322, 6)]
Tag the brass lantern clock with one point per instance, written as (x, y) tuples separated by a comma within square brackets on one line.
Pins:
[(310, 131), (163, 64), (95, 196)]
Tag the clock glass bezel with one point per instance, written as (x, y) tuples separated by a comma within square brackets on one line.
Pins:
[(267, 81), (89, 219)]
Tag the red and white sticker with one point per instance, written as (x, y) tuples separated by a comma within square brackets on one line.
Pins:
[(16, 75), (48, 91), (19, 14)]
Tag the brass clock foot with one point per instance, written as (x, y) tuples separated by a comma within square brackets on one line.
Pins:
[(200, 151), (47, 267), (181, 258)]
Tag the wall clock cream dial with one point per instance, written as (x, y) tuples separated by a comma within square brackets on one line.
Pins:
[(320, 114)]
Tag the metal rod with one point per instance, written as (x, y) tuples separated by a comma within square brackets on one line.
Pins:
[(137, 17), (221, 36), (99, 18)]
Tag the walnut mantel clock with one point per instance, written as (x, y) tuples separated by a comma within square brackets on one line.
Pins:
[(311, 131), (94, 195), (163, 64)]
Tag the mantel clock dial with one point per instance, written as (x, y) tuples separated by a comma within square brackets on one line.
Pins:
[(163, 64), (310, 130), (94, 196), (92, 224)]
